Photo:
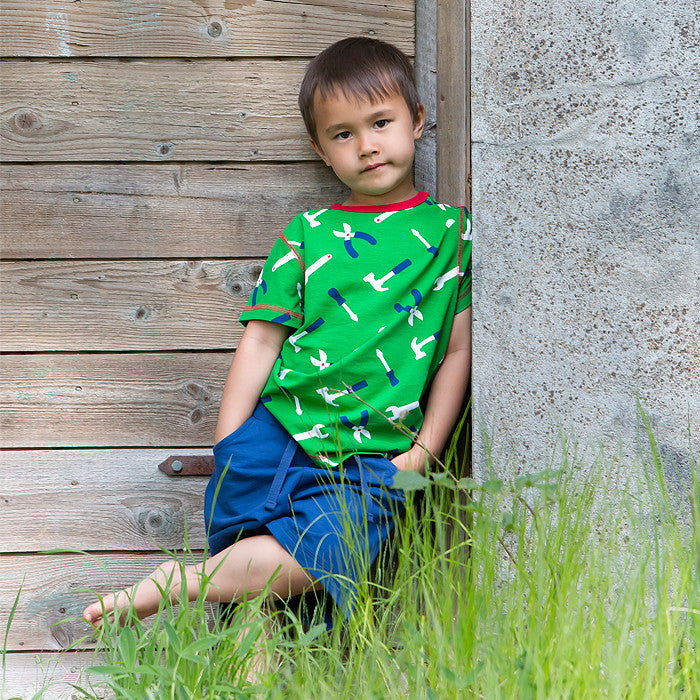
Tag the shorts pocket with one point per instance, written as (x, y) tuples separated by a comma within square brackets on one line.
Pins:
[(391, 467), (235, 435)]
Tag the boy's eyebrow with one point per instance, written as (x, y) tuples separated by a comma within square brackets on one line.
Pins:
[(378, 114)]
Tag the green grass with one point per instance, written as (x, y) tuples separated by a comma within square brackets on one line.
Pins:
[(548, 585)]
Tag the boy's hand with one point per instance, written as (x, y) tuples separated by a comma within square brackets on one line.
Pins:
[(413, 460)]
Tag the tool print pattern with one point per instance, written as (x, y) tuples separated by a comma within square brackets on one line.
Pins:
[(372, 299), (347, 234), (358, 431)]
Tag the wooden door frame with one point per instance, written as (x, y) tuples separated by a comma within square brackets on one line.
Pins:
[(442, 72)]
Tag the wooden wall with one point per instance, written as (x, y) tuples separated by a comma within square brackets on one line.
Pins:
[(152, 152)]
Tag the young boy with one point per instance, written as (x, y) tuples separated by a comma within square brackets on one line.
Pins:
[(353, 363)]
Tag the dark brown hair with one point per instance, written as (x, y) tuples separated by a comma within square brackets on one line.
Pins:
[(357, 67)]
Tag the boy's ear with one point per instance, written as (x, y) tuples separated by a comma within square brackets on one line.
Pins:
[(319, 150), (419, 122)]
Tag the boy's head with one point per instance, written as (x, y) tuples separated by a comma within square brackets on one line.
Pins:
[(358, 68), (363, 114)]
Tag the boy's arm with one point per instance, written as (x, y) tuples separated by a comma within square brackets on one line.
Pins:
[(250, 369), (444, 398)]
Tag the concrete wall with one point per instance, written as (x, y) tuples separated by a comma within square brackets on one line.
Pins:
[(586, 202)]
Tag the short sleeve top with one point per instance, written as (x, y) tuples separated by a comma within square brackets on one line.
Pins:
[(370, 294)]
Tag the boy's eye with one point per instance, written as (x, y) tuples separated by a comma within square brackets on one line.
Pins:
[(381, 123), (343, 135)]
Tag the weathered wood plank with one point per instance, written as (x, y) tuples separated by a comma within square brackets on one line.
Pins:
[(174, 28), (152, 110), (426, 81), (124, 305), (97, 500), (55, 588), (452, 115), (111, 400), (28, 673), (163, 210)]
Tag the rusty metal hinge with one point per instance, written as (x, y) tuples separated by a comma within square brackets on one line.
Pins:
[(188, 465)]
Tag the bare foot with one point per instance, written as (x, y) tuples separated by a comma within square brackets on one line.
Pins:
[(145, 596)]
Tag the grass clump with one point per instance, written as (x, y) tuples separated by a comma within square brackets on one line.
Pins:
[(548, 585)]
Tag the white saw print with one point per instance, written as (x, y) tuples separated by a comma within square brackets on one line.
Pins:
[(315, 265), (383, 216), (287, 257)]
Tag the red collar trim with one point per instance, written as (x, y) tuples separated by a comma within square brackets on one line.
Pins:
[(396, 206)]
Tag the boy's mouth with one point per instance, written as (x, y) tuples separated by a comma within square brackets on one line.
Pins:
[(374, 166)]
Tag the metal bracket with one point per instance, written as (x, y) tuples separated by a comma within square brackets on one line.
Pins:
[(188, 465)]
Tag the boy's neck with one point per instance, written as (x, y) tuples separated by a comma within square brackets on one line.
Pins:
[(397, 195)]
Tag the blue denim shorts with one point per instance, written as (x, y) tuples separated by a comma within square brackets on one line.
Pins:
[(332, 520)]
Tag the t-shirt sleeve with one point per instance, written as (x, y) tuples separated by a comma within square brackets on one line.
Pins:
[(464, 295), (277, 295)]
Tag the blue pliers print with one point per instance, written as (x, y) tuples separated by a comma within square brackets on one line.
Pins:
[(348, 234), (358, 431)]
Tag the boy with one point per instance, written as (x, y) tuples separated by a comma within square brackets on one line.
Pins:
[(359, 308)]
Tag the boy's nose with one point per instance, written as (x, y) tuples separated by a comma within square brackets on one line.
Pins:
[(367, 145)]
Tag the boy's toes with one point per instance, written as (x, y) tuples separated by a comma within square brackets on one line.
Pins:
[(93, 613), (90, 615)]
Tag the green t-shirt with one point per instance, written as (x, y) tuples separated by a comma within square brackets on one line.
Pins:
[(370, 293)]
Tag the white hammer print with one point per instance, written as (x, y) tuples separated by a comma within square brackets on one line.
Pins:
[(418, 347), (378, 284), (311, 218)]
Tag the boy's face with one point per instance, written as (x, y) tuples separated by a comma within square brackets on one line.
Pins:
[(369, 145)]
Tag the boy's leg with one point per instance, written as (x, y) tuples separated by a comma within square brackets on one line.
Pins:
[(244, 568)]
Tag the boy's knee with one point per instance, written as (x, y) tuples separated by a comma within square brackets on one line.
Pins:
[(170, 569)]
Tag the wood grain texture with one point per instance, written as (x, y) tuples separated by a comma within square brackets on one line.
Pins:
[(452, 114), (215, 28), (27, 673), (163, 210), (98, 500), (151, 110), (124, 305), (55, 588), (426, 82), (111, 400)]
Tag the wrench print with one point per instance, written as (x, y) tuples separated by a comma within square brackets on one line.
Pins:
[(316, 432), (297, 336), (400, 412)]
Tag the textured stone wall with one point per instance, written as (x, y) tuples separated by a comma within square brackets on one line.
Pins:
[(586, 204)]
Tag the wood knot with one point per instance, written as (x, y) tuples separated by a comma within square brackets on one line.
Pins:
[(26, 121), (196, 416), (142, 313), (197, 391), (163, 149), (214, 29), (157, 521)]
